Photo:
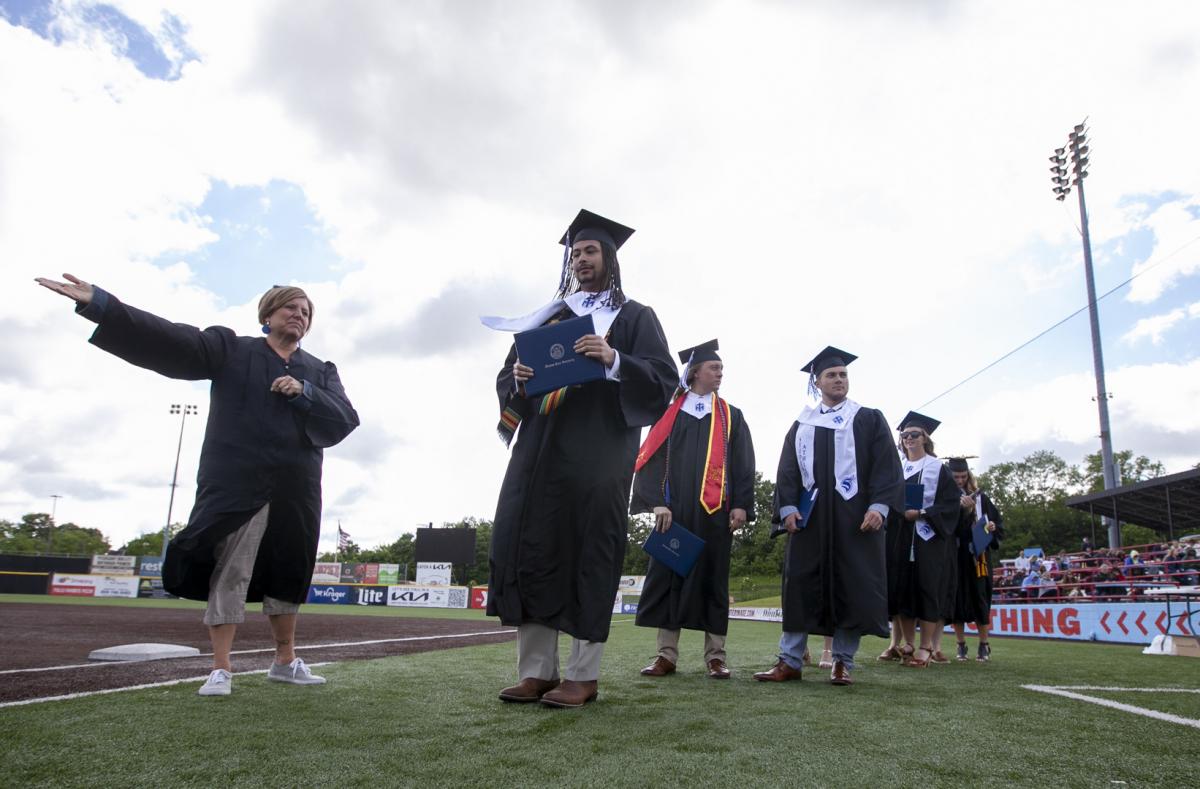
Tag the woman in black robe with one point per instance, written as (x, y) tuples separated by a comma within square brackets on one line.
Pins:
[(273, 409), (923, 538), (670, 485), (973, 581)]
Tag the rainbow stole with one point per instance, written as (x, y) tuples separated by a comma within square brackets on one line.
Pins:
[(712, 493)]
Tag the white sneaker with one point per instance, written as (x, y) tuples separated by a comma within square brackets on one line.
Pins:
[(295, 673), (219, 683)]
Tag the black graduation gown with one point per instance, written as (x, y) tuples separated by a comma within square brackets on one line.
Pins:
[(259, 446), (558, 540), (920, 589), (701, 600), (973, 582), (834, 574)]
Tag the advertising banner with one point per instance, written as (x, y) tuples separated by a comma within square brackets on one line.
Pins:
[(479, 597), (152, 587), (360, 573), (114, 565), (631, 584), (427, 596), (434, 573), (388, 574), (757, 614), (150, 567), (329, 594), (327, 573), (370, 595), (1122, 623), (94, 585)]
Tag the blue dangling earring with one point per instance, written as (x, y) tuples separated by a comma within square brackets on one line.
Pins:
[(266, 329)]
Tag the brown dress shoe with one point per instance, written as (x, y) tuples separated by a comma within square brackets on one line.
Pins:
[(780, 672), (840, 674), (571, 694), (527, 690), (661, 667), (717, 669)]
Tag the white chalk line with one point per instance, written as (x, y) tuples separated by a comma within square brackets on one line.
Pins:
[(109, 663), (1116, 705), (166, 683)]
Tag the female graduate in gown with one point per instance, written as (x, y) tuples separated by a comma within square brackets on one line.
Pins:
[(273, 409), (696, 468), (973, 583), (923, 538)]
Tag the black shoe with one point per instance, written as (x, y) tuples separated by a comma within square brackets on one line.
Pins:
[(962, 652), (985, 652)]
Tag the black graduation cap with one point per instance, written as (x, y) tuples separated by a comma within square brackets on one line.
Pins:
[(957, 465), (704, 352), (593, 227), (913, 419), (830, 357)]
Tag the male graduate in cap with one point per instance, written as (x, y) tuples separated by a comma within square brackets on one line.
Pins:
[(834, 572), (558, 540), (696, 468)]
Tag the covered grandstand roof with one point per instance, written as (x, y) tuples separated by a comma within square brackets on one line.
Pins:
[(1169, 504)]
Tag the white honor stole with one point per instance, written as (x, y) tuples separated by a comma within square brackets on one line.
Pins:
[(845, 467), (581, 303), (930, 468)]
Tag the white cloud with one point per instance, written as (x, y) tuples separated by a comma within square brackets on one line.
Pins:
[(1155, 327), (859, 174)]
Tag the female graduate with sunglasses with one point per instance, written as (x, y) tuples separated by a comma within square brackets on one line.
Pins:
[(918, 566)]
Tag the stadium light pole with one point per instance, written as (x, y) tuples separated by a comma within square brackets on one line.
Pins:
[(54, 497), (184, 411), (1077, 149)]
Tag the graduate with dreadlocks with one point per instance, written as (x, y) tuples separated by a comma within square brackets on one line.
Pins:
[(696, 468), (558, 540), (841, 456)]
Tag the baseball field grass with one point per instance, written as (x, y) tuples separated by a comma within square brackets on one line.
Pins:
[(433, 719)]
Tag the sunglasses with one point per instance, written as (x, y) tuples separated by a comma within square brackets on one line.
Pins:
[(912, 434)]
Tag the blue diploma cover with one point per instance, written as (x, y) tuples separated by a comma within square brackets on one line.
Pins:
[(914, 496), (550, 351), (677, 548), (807, 499), (981, 538)]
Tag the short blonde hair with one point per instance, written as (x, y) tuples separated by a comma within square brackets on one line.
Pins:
[(279, 295)]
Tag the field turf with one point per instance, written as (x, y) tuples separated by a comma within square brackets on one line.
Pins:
[(432, 719)]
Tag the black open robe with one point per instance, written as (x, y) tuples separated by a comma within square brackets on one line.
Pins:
[(973, 584), (701, 600), (558, 540), (834, 574), (259, 447), (919, 570)]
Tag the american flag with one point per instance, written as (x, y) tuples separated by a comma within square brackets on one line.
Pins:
[(343, 539)]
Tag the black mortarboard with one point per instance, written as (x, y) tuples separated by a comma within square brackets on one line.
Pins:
[(957, 465), (926, 423), (704, 352), (593, 227), (830, 357)]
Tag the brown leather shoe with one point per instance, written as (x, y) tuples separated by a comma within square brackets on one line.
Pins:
[(661, 667), (717, 669), (571, 694), (780, 672), (840, 674), (527, 690)]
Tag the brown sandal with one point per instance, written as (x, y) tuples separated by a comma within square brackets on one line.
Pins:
[(916, 662), (891, 653)]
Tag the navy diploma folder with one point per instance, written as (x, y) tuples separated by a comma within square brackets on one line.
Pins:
[(981, 538), (914, 496), (807, 499), (550, 351), (677, 548)]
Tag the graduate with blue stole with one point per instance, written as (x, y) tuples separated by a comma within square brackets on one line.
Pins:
[(696, 469)]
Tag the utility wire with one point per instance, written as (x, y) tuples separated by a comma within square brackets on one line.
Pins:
[(1046, 331)]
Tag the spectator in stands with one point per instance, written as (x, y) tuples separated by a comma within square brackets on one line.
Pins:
[(1031, 583), (1134, 564), (1104, 586), (253, 531), (1077, 590)]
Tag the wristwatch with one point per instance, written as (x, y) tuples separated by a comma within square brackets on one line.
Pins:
[(922, 513)]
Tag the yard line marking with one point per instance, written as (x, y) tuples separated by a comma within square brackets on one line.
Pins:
[(1116, 705), (257, 651), (1120, 690), (84, 694)]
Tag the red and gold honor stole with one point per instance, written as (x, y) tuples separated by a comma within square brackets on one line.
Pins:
[(712, 492)]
